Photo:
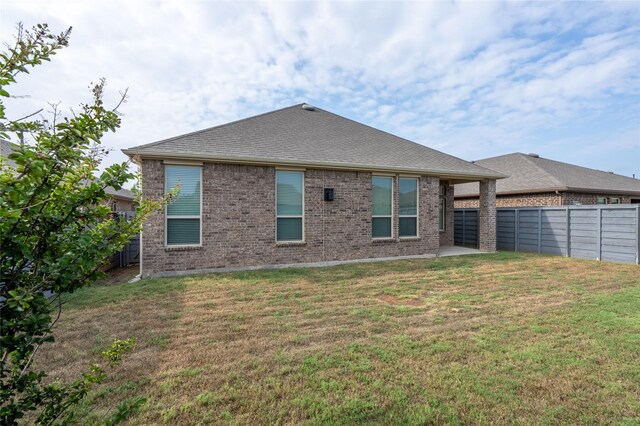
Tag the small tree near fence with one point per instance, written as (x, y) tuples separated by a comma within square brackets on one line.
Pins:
[(55, 234)]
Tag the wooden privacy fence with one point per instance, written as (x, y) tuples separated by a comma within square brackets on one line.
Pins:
[(130, 253), (465, 227), (605, 232)]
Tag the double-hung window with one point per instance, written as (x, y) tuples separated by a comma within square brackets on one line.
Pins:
[(382, 206), (442, 211), (408, 215), (289, 206), (183, 213)]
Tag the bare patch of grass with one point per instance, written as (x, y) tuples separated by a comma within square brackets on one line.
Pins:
[(502, 338)]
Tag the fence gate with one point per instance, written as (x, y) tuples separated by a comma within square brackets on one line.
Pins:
[(465, 227)]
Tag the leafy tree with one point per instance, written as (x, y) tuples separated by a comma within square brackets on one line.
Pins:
[(55, 234)]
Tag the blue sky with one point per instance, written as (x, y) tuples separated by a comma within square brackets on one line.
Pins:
[(471, 79)]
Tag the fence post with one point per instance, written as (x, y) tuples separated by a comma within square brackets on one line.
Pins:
[(568, 231), (599, 233), (539, 230)]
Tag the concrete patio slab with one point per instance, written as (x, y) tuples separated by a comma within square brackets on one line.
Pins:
[(457, 251)]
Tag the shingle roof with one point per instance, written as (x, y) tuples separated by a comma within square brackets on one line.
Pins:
[(296, 135), (7, 148), (121, 193), (528, 174)]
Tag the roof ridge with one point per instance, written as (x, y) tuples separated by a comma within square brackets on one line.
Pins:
[(214, 127), (608, 173), (401, 138), (549, 175)]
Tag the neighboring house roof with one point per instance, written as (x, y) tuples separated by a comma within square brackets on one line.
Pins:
[(123, 194), (7, 148), (306, 136), (529, 173)]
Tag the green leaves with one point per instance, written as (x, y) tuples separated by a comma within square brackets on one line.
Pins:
[(117, 350), (55, 235), (19, 300)]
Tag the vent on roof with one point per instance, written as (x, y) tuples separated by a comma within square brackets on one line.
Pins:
[(531, 154), (308, 107)]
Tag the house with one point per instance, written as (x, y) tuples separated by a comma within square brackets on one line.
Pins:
[(121, 200), (537, 181), (299, 185)]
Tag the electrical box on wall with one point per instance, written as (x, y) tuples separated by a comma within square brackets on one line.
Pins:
[(328, 194)]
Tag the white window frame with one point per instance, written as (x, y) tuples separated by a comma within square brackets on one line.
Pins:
[(617, 200), (417, 215), (598, 199), (393, 183), (166, 214), (289, 216)]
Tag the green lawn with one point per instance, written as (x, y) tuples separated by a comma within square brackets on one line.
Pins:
[(500, 338)]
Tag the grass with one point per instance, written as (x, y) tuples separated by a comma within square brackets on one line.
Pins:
[(500, 338)]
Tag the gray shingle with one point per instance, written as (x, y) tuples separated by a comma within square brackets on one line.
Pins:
[(122, 193), (7, 148), (297, 136), (528, 174)]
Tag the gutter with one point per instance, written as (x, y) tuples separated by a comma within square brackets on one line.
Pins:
[(159, 155)]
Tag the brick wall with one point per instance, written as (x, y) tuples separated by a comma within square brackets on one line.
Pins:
[(570, 198), (487, 216), (124, 205), (521, 200), (446, 236), (540, 199), (238, 221)]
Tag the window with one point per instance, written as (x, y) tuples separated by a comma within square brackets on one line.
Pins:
[(289, 206), (614, 200), (183, 213), (381, 206), (602, 200), (408, 217), (442, 210)]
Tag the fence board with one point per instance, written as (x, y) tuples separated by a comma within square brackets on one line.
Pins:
[(466, 228), (607, 232)]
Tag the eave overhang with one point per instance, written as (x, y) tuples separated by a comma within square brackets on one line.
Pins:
[(447, 174)]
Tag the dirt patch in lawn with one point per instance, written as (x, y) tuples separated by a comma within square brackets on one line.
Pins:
[(120, 275)]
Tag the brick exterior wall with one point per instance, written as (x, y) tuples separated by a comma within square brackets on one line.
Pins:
[(523, 200), (487, 216), (540, 199), (569, 198), (238, 221), (122, 205), (446, 236)]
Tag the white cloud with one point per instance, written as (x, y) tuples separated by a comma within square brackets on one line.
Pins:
[(473, 79)]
